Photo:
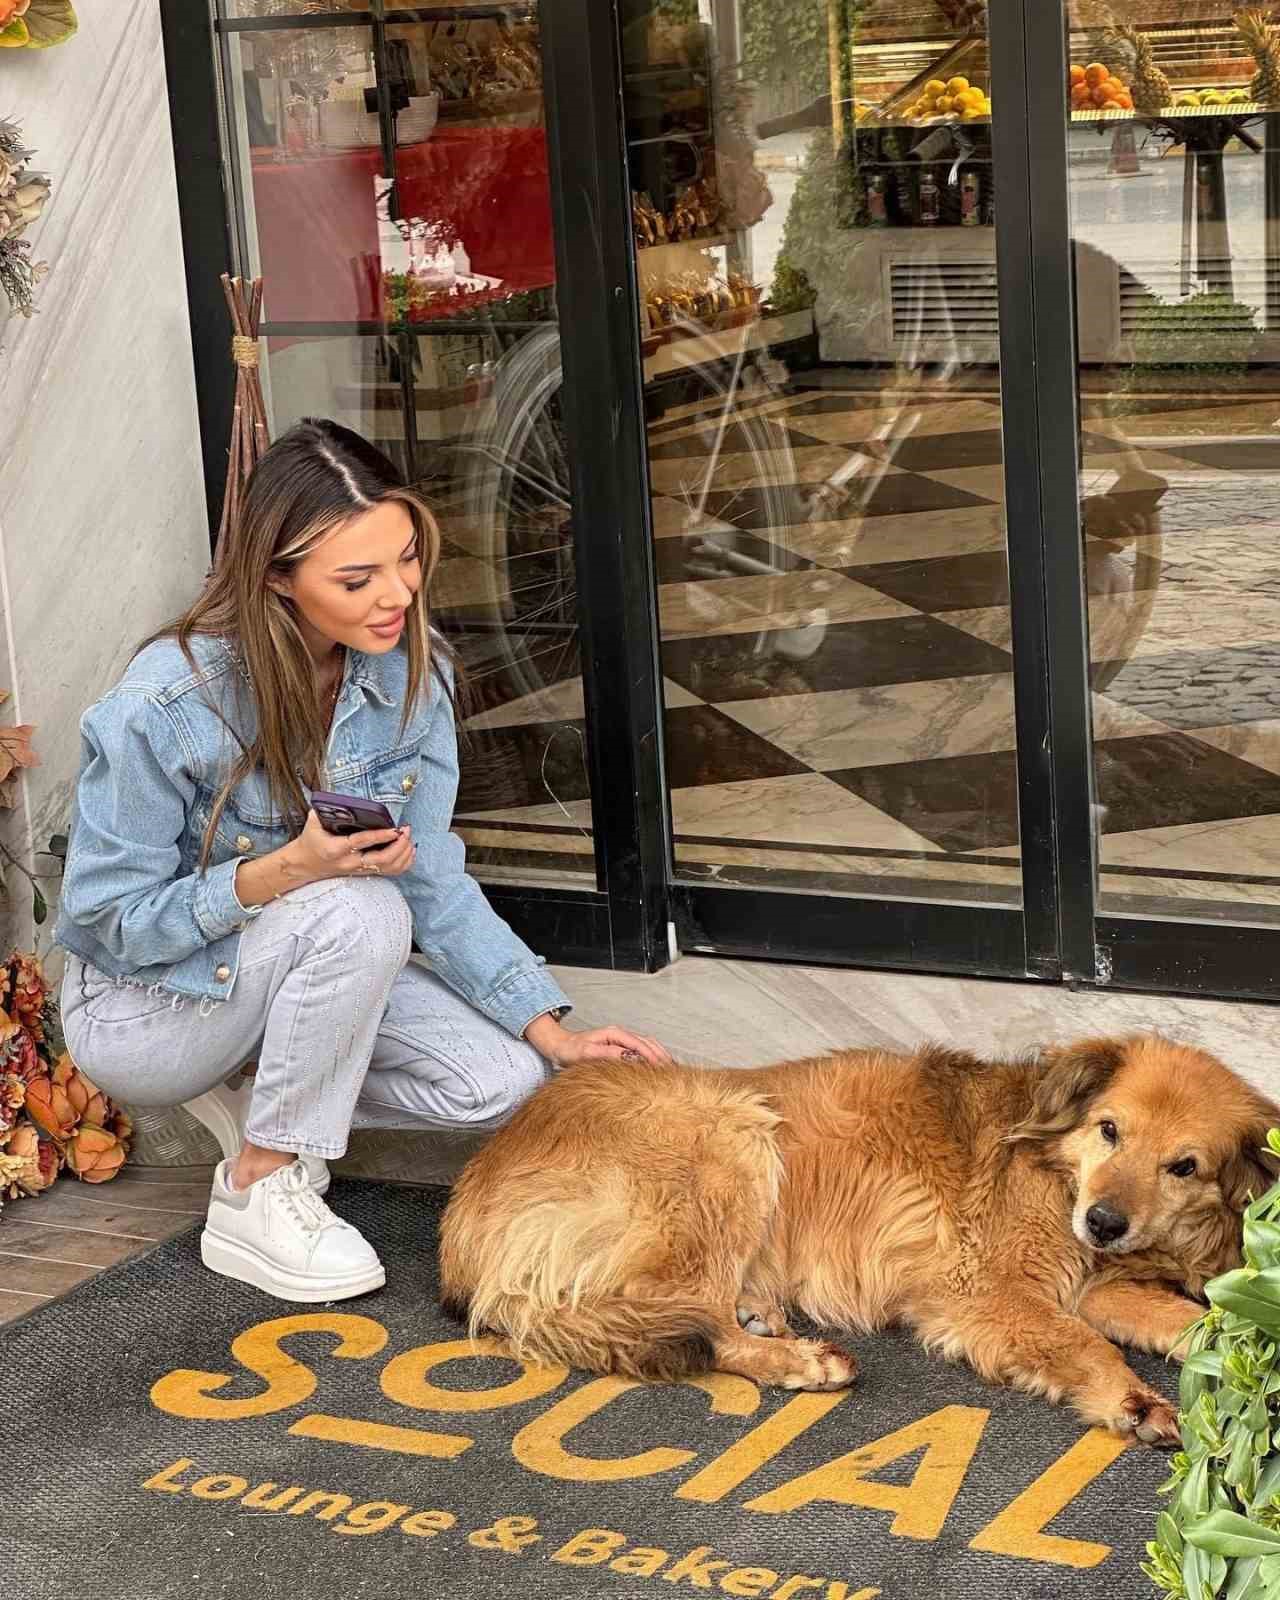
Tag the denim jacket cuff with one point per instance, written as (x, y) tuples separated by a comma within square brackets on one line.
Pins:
[(217, 907), (525, 995)]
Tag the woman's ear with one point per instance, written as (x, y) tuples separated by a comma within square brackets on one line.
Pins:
[(1070, 1079)]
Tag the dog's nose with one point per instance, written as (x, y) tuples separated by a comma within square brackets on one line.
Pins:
[(1105, 1225)]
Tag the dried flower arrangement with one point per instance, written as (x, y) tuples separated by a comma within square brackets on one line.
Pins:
[(22, 198), (35, 24), (51, 1116)]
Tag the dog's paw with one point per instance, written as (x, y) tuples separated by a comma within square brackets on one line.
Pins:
[(1150, 1417), (766, 1322), (820, 1366)]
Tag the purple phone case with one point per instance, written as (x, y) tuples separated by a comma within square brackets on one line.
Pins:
[(368, 814)]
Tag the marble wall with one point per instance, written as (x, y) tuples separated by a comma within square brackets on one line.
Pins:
[(102, 520)]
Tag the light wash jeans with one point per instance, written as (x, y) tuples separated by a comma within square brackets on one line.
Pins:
[(346, 1030)]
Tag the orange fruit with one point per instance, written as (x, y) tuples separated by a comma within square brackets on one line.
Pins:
[(1111, 105), (1076, 75), (1126, 101), (1081, 96), (1095, 74), (1114, 85), (1099, 95)]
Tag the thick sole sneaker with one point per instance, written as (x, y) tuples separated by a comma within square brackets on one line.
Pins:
[(232, 1259)]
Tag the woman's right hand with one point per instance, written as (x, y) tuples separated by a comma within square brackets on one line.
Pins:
[(317, 854)]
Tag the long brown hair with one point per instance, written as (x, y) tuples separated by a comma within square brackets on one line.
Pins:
[(313, 478)]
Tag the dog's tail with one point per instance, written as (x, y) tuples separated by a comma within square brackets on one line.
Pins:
[(574, 1281)]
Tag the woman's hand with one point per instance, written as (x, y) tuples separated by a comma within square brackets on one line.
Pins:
[(563, 1048), (317, 854)]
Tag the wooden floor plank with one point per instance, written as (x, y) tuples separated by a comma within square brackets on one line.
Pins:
[(71, 1245), (32, 1275)]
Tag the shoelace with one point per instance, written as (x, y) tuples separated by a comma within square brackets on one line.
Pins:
[(305, 1206)]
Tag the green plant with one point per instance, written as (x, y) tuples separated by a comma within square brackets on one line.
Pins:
[(1221, 1532)]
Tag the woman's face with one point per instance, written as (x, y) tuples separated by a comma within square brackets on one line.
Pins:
[(355, 586)]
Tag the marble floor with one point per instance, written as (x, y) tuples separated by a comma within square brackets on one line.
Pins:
[(836, 634)]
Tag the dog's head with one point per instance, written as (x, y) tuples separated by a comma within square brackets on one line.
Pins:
[(1163, 1146)]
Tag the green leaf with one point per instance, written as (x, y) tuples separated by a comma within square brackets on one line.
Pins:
[(1252, 1295), (1247, 1582), (1193, 1502), (1262, 1242), (1167, 1533), (1226, 1533), (1208, 1361), (1268, 1480), (50, 22), (39, 909), (1240, 1461), (15, 36), (1195, 1570)]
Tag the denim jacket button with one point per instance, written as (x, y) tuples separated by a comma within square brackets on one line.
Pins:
[(222, 974), (243, 842), (408, 783)]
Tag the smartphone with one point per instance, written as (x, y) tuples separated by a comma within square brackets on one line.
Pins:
[(344, 814)]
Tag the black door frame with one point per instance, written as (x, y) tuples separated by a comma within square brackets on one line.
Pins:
[(637, 912), (623, 921)]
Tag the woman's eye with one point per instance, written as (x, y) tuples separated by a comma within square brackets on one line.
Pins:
[(351, 588), (1184, 1168), (1108, 1131)]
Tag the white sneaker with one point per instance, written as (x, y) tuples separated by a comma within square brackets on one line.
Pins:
[(279, 1235), (318, 1171)]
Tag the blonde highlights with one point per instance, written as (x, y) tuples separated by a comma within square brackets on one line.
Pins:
[(313, 479)]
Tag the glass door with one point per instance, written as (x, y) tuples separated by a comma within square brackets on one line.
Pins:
[(815, 214), (1173, 192), (413, 185)]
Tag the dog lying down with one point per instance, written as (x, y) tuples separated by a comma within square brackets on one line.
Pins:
[(1021, 1215)]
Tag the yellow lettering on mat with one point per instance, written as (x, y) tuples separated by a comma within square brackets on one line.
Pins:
[(591, 1548), (405, 1379), (949, 1438), (1017, 1531), (381, 1436), (165, 1482), (187, 1393), (764, 1442), (539, 1445)]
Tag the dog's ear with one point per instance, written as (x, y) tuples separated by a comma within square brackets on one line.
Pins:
[(1069, 1080), (1253, 1168)]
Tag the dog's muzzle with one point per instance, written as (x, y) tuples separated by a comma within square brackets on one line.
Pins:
[(1105, 1225)]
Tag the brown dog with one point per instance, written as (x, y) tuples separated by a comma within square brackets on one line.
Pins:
[(1021, 1215)]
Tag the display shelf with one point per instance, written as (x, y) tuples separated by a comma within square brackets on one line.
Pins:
[(700, 241), (676, 354)]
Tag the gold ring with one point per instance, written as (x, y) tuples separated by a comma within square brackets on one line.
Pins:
[(374, 868)]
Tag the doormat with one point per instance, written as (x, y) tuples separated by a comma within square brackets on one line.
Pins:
[(165, 1432)]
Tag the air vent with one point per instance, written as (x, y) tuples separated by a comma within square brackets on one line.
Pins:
[(953, 300), (1152, 302)]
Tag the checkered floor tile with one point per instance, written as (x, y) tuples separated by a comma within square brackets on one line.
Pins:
[(834, 609)]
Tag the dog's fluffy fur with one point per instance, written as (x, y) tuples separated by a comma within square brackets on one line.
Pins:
[(657, 1222)]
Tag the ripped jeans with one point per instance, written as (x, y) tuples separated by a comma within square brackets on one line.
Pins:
[(346, 1030)]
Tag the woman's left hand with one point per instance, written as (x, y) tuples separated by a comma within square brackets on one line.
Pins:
[(563, 1048)]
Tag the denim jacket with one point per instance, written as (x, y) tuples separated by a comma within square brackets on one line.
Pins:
[(154, 755)]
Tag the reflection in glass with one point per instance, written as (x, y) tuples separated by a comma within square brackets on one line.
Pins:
[(1175, 206), (414, 300), (813, 217)]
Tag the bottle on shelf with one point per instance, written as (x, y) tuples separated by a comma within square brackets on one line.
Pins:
[(878, 200), (970, 199), (930, 200)]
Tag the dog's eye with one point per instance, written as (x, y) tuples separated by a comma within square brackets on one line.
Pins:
[(1108, 1131), (1184, 1168)]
